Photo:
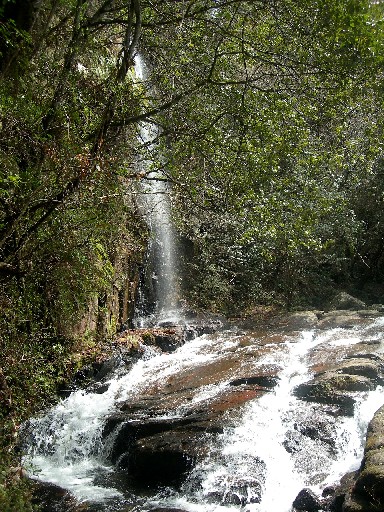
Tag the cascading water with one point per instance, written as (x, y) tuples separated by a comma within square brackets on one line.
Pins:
[(161, 279), (253, 466), (259, 462)]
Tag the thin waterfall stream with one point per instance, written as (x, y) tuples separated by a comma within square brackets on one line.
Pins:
[(161, 280)]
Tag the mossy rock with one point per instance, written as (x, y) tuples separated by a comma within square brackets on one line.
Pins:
[(324, 393), (368, 491), (364, 367), (370, 483), (345, 382)]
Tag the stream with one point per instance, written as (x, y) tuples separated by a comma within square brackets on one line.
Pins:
[(258, 462)]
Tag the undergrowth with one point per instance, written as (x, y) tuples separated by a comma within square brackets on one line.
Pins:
[(32, 368)]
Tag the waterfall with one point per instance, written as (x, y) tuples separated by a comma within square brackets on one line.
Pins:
[(161, 280)]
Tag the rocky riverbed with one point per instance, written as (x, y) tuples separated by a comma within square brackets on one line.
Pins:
[(156, 437)]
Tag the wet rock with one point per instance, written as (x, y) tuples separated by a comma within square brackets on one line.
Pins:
[(370, 481), (354, 503), (249, 491), (307, 501), (292, 442), (240, 492), (265, 381), (346, 382), (236, 496), (169, 340), (166, 337), (318, 430), (52, 498), (367, 494), (121, 434), (363, 355), (322, 393), (145, 431), (335, 383), (232, 399), (202, 324), (146, 440), (100, 388), (167, 509), (161, 460), (141, 440), (334, 496), (193, 325), (300, 320), (371, 342), (342, 319), (366, 367), (377, 307)]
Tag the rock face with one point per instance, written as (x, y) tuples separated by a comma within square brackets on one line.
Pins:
[(367, 494)]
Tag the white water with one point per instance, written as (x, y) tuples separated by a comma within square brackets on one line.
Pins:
[(246, 461), (156, 205), (262, 432)]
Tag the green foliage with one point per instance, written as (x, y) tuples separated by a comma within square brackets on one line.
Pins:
[(14, 496), (70, 234), (268, 154)]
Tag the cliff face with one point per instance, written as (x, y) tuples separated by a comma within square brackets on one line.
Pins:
[(109, 312), (367, 491)]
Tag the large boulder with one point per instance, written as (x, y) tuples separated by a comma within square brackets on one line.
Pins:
[(345, 301), (307, 501), (367, 494), (49, 497), (370, 481), (160, 450), (298, 321), (157, 444)]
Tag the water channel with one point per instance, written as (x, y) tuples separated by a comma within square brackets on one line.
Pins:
[(258, 463)]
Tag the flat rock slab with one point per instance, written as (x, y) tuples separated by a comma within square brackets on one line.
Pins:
[(336, 381)]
